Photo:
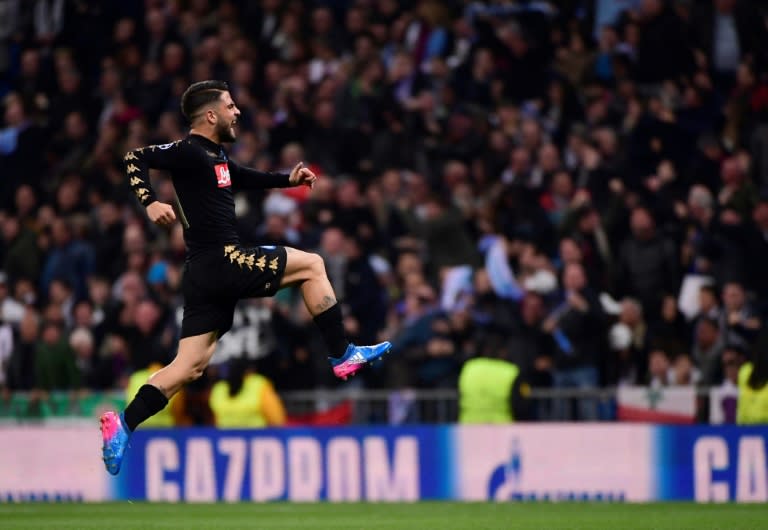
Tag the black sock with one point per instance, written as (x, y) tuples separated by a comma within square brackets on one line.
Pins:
[(149, 401), (332, 327)]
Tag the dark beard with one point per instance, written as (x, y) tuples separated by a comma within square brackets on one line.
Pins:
[(226, 134)]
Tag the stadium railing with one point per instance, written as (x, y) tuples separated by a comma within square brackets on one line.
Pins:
[(364, 406)]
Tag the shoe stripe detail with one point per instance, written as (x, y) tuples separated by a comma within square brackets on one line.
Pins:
[(357, 358)]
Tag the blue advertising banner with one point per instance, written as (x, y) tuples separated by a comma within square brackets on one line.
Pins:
[(711, 463), (347, 464)]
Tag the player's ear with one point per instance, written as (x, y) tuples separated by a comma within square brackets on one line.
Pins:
[(211, 116)]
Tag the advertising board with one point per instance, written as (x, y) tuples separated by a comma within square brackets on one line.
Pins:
[(620, 462)]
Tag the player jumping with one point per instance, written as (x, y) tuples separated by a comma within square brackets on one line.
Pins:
[(218, 271)]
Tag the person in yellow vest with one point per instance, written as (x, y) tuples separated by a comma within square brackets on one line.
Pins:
[(491, 390), (245, 399), (752, 407), (169, 416)]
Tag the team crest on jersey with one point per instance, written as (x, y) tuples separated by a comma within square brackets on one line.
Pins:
[(222, 175)]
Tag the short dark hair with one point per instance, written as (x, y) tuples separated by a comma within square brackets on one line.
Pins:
[(200, 94)]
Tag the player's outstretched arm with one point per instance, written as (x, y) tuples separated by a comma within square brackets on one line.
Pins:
[(251, 179)]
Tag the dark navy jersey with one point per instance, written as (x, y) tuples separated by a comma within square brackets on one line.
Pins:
[(204, 179)]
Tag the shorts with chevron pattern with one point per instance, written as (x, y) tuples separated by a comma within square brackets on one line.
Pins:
[(214, 282)]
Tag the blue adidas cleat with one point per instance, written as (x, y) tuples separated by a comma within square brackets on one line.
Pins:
[(115, 436), (356, 357)]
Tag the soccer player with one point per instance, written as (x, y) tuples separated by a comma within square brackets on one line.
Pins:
[(219, 271)]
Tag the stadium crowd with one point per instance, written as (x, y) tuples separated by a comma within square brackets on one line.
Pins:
[(577, 188)]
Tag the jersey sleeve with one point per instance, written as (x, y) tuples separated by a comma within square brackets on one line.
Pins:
[(138, 162), (250, 179)]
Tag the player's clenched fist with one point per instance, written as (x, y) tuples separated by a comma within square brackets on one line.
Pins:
[(161, 213), (301, 175)]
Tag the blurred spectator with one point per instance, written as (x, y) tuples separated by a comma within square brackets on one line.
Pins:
[(575, 327), (592, 241), (21, 368), (11, 311), (660, 372), (737, 191), (723, 32), (70, 148), (671, 332), (70, 259), (245, 399), (528, 346), (726, 396), (758, 250), (22, 255), (685, 373), (753, 386), (707, 349), (332, 251), (648, 265), (365, 301), (151, 336), (709, 303), (107, 244), (491, 389), (55, 366), (20, 141), (662, 52), (734, 356), (441, 227), (739, 319), (81, 342), (628, 341)]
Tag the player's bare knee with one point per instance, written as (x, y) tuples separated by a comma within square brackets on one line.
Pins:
[(195, 372), (196, 368), (316, 266)]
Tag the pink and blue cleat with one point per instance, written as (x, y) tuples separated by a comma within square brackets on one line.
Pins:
[(115, 436), (356, 357)]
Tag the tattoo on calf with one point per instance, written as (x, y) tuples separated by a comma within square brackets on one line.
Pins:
[(327, 302)]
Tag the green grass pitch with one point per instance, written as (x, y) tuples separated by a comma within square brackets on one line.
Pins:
[(426, 515)]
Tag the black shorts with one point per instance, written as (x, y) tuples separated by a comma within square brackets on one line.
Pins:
[(214, 282)]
